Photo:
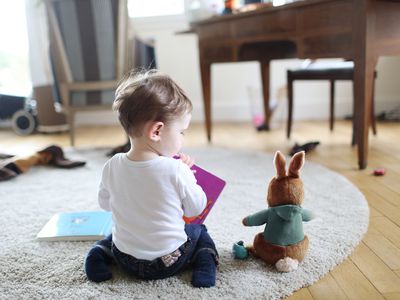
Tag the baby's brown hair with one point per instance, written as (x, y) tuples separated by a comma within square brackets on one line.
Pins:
[(144, 96)]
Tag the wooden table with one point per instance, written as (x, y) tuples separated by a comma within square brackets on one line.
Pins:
[(359, 30)]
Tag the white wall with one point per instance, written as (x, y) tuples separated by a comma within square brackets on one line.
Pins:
[(38, 43)]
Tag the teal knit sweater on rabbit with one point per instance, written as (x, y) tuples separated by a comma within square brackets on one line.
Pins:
[(284, 224)]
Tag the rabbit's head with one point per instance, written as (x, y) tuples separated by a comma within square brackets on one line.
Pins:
[(286, 188)]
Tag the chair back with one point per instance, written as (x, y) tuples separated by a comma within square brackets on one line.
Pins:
[(88, 46)]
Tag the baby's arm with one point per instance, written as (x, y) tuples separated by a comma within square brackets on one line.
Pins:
[(256, 219), (103, 195), (194, 199), (186, 159), (104, 198)]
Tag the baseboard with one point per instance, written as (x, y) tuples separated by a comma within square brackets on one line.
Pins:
[(53, 128)]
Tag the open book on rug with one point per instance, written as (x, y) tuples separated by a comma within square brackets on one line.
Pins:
[(77, 226)]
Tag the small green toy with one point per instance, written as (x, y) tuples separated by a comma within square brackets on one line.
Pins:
[(239, 250)]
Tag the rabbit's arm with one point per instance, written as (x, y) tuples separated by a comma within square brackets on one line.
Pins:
[(256, 219), (307, 215)]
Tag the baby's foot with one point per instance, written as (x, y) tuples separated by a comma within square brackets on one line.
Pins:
[(204, 270), (97, 260)]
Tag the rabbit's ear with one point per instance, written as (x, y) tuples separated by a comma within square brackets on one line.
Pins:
[(280, 165), (296, 163)]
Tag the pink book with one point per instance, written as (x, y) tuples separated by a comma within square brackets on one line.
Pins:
[(212, 187)]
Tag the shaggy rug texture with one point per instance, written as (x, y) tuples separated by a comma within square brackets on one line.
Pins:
[(54, 270)]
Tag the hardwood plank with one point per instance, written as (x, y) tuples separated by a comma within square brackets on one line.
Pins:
[(389, 195), (392, 296), (302, 294), (391, 179), (353, 282), (381, 204), (327, 289), (372, 230), (374, 213), (377, 272), (386, 227), (384, 249)]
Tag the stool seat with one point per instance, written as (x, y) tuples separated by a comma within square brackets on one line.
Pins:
[(322, 74), (325, 71)]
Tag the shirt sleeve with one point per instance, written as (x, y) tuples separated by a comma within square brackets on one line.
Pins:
[(307, 215), (194, 199), (258, 218), (103, 196)]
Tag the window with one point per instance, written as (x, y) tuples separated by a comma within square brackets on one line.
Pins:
[(14, 55), (153, 8)]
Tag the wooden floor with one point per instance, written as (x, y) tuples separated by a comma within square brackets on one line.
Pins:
[(373, 270)]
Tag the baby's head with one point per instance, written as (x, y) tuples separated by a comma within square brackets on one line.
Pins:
[(149, 96)]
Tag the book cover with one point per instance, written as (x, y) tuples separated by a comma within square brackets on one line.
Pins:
[(212, 187), (77, 226)]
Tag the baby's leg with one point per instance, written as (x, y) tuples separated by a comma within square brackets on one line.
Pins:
[(97, 259), (204, 260)]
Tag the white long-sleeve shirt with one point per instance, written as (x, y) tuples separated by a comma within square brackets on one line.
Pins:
[(148, 200)]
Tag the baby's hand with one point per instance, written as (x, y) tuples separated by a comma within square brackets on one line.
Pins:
[(186, 159)]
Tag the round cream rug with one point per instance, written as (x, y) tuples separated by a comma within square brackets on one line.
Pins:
[(54, 270)]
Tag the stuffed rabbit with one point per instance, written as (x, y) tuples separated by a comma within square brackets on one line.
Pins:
[(283, 242)]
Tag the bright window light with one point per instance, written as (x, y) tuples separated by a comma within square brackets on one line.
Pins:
[(14, 61), (155, 8)]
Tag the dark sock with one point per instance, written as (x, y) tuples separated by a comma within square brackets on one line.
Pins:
[(204, 269), (97, 260)]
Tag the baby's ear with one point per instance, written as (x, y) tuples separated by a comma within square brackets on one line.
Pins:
[(280, 165), (296, 163), (154, 131)]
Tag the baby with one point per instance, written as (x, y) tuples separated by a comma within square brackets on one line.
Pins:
[(149, 192)]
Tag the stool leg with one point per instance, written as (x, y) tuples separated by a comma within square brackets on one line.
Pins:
[(71, 123), (373, 119), (332, 105), (290, 104), (353, 136)]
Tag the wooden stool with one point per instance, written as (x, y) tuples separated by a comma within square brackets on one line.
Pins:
[(341, 71)]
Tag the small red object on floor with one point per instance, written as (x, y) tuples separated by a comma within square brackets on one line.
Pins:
[(379, 172)]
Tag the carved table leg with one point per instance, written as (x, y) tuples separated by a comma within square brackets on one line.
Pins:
[(265, 85), (205, 69), (365, 61)]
